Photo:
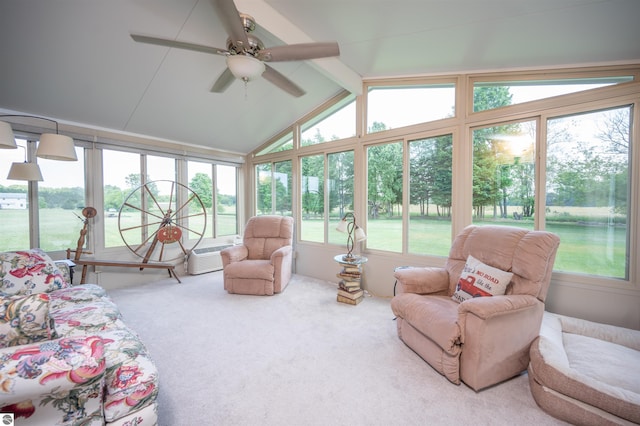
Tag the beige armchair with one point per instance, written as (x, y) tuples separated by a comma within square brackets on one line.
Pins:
[(481, 340), (262, 264)]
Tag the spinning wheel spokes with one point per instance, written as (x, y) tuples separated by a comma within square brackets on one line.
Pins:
[(157, 226)]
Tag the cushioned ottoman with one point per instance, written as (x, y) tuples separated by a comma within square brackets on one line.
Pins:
[(586, 373)]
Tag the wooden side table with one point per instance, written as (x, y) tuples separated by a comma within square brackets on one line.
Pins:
[(350, 286)]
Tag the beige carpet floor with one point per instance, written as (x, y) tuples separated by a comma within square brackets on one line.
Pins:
[(298, 358)]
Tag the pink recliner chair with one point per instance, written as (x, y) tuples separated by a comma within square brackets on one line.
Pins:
[(446, 316), (262, 264)]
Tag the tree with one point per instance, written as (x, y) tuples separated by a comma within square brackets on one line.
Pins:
[(385, 178), (202, 185)]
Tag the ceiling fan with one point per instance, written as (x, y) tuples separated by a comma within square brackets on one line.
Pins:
[(245, 53)]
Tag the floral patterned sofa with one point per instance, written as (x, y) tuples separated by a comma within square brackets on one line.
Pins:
[(66, 356)]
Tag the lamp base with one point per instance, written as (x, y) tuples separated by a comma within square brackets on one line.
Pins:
[(349, 257)]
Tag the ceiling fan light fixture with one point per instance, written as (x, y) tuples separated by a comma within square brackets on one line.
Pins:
[(245, 68)]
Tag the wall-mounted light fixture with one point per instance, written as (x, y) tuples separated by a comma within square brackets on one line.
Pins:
[(51, 146), (24, 171), (355, 234)]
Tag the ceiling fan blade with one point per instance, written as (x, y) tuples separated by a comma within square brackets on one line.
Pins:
[(282, 82), (298, 52), (178, 44), (230, 18), (223, 82)]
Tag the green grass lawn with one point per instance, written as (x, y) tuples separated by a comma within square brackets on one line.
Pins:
[(584, 248)]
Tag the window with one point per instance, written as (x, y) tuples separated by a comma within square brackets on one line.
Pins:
[(121, 176), (336, 122), (61, 198), (340, 185), (588, 185), (430, 195), (312, 198), (14, 202), (226, 200), (201, 181), (274, 182), (283, 143), (384, 201), (504, 174), (516, 92), (390, 107)]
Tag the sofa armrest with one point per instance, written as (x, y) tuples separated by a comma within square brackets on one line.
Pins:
[(422, 280), (56, 379), (234, 254)]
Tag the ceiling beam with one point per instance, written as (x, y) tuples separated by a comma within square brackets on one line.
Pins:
[(272, 21)]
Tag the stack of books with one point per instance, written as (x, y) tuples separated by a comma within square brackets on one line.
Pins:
[(349, 290)]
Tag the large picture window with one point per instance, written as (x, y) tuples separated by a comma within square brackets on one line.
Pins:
[(504, 174), (588, 184), (384, 197), (430, 196), (312, 198)]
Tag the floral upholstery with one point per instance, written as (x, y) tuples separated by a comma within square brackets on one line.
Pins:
[(65, 351)]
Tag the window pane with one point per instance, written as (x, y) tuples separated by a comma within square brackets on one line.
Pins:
[(226, 208), (531, 90), (337, 122), (384, 171), (391, 107), (340, 192), (284, 143), (263, 189), (504, 174), (430, 195), (14, 202), (284, 184), (121, 176), (588, 158), (312, 198), (200, 177), (61, 198)]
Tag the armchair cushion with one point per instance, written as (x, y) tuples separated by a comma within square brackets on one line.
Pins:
[(24, 319), (28, 272), (480, 280)]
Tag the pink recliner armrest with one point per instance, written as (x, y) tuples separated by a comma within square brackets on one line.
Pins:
[(422, 280), (234, 254)]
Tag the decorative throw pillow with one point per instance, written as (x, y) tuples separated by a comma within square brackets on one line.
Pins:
[(479, 280), (29, 272), (25, 319)]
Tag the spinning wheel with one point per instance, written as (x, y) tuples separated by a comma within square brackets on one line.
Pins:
[(162, 227)]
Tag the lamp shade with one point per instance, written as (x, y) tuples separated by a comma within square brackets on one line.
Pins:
[(245, 68), (25, 171), (359, 235), (56, 147), (7, 139)]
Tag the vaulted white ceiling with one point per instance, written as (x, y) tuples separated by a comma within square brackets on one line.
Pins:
[(74, 61)]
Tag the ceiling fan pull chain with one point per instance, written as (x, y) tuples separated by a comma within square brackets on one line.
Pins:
[(246, 91)]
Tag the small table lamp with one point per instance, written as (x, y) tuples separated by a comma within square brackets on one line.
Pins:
[(355, 234)]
